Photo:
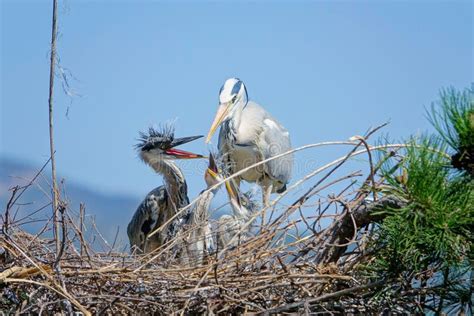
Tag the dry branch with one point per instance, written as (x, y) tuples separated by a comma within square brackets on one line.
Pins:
[(54, 31), (288, 265), (344, 230)]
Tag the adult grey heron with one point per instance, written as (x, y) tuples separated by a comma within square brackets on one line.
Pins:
[(157, 148), (249, 134)]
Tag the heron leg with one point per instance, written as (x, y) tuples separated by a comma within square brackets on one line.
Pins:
[(267, 188)]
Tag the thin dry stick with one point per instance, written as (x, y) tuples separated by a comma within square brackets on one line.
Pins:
[(236, 174), (7, 210), (58, 288), (371, 164), (54, 30), (23, 189), (81, 227), (63, 239), (61, 293), (322, 298), (303, 199), (354, 223)]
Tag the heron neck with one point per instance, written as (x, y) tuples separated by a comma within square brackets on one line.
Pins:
[(174, 180), (240, 212), (203, 204), (235, 119)]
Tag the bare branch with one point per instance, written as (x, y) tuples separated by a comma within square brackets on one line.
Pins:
[(54, 30)]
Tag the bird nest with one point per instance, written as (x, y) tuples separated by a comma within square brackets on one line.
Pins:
[(304, 258)]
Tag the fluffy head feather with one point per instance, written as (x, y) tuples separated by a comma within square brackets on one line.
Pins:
[(160, 137)]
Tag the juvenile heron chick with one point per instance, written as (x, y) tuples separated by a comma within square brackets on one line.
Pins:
[(198, 235), (243, 208), (230, 226), (157, 148)]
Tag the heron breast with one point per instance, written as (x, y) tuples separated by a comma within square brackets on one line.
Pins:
[(245, 156)]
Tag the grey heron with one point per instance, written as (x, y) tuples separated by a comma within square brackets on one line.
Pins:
[(242, 205), (157, 148), (229, 226), (198, 238), (199, 234), (249, 134)]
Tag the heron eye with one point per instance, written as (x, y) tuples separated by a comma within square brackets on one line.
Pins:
[(234, 98)]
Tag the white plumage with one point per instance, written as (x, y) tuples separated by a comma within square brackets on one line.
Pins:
[(249, 134)]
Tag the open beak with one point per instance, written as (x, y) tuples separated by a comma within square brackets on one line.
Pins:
[(180, 141), (218, 119), (229, 185), (212, 164), (212, 168), (181, 154), (233, 192)]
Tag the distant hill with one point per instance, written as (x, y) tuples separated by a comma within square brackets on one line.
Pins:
[(109, 210)]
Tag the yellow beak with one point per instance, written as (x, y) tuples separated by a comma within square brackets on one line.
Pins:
[(229, 185), (218, 119), (232, 191), (212, 173)]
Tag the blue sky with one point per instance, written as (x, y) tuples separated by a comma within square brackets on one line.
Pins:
[(326, 70)]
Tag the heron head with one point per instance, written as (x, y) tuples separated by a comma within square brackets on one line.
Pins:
[(212, 175), (162, 144), (232, 97)]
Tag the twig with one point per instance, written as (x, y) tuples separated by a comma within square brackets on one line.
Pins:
[(54, 31), (65, 295), (371, 164), (243, 171), (6, 218), (62, 209), (23, 189), (81, 227), (323, 298)]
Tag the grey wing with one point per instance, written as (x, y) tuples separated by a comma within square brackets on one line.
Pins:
[(146, 216), (275, 140), (257, 125)]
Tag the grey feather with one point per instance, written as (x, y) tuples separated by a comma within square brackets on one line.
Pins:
[(260, 132), (147, 215), (161, 203), (278, 142)]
